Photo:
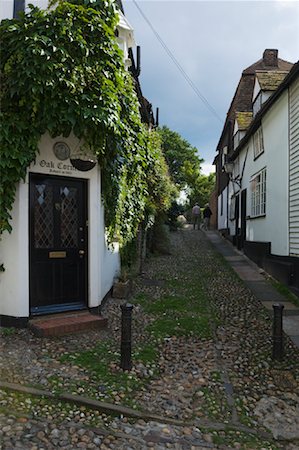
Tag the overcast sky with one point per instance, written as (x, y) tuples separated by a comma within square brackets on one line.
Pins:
[(213, 41)]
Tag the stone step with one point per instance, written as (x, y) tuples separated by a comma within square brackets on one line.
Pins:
[(61, 324)]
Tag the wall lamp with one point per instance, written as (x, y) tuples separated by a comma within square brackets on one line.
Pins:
[(228, 168)]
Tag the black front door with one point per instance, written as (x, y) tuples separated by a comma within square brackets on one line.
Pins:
[(58, 244), (243, 216), (237, 215)]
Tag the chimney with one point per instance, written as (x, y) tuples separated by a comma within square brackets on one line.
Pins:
[(270, 57)]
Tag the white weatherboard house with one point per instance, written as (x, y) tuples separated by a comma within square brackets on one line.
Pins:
[(56, 258), (256, 84), (263, 169)]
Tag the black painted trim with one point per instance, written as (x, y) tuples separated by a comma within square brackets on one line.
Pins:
[(15, 322)]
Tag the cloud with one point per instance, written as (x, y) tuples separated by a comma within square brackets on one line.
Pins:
[(213, 41), (206, 168)]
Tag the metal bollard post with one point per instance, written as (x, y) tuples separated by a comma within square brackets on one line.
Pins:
[(277, 331), (126, 337)]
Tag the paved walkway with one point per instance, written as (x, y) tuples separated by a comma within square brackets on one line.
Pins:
[(262, 289)]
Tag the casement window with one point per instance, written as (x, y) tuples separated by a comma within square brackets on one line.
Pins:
[(258, 194), (258, 143)]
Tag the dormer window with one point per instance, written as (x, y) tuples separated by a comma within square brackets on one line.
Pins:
[(258, 143), (266, 82), (242, 122)]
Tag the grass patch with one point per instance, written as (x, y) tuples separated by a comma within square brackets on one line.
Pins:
[(214, 403), (284, 291), (140, 299), (146, 354), (167, 303), (106, 379), (243, 413), (248, 441), (7, 331), (216, 375), (180, 326)]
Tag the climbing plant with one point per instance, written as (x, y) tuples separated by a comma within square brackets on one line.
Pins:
[(62, 71)]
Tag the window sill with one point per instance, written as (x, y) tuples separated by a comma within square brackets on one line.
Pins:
[(261, 216)]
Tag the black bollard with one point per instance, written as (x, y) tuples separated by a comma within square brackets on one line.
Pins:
[(126, 337), (277, 331)]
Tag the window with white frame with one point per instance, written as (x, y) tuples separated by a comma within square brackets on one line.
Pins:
[(258, 143), (258, 194)]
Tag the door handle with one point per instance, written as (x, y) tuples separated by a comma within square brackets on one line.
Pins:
[(81, 252)]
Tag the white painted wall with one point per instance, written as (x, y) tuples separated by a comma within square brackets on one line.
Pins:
[(14, 282), (14, 247), (294, 168), (222, 218), (274, 226)]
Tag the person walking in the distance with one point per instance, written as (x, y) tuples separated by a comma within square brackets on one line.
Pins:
[(206, 217), (196, 216)]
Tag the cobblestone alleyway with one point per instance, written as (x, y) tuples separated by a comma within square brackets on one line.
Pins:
[(202, 377)]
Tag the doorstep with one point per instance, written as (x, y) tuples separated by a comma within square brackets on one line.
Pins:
[(66, 323)]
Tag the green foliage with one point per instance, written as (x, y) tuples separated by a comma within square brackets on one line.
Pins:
[(184, 167), (61, 72), (202, 189), (161, 187), (181, 157), (128, 257), (7, 331), (159, 241)]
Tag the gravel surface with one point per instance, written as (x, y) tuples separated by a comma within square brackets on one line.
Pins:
[(210, 381)]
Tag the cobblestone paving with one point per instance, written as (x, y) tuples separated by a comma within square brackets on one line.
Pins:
[(225, 379)]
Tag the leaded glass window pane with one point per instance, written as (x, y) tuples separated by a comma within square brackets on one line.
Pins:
[(69, 217), (43, 216)]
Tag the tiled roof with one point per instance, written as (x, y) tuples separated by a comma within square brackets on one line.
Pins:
[(270, 80), (290, 78), (242, 100), (243, 119), (281, 64)]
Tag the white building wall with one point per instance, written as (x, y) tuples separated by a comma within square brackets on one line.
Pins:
[(274, 226), (14, 281), (222, 210), (104, 263), (14, 248), (294, 168)]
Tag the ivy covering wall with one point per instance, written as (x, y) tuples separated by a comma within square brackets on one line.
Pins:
[(62, 71)]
